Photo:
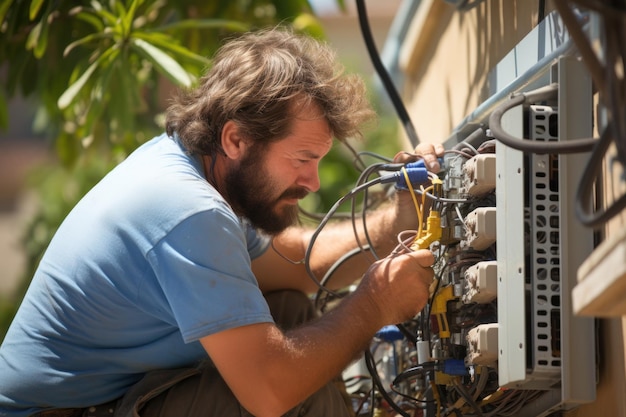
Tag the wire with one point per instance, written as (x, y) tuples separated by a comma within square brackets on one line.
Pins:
[(344, 258), (324, 221), (465, 5), (582, 43), (371, 367), (531, 146), (541, 12), (375, 155), (384, 75), (603, 7), (418, 208), (467, 145), (328, 275), (462, 391), (361, 180), (404, 244), (291, 261), (585, 188), (437, 397)]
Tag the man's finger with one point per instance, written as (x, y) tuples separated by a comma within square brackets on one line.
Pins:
[(424, 257)]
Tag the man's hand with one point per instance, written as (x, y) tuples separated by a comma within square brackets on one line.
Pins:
[(398, 286), (405, 217), (393, 290), (427, 151)]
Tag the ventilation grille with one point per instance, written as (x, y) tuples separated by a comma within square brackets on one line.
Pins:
[(544, 283)]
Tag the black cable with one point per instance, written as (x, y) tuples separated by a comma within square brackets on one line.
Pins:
[(606, 8), (460, 389), (374, 168), (541, 13), (466, 5), (414, 372), (322, 224), (429, 306), (531, 146), (610, 87), (328, 275), (585, 188), (585, 49), (396, 100), (407, 333), (371, 367)]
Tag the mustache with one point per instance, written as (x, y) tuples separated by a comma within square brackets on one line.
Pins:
[(298, 193)]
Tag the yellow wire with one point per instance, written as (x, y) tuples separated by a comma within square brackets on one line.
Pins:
[(417, 206), (420, 230)]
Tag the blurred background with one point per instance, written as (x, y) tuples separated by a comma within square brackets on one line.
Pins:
[(50, 156)]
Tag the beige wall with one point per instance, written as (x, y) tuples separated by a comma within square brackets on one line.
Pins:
[(344, 34), (446, 58), (447, 55)]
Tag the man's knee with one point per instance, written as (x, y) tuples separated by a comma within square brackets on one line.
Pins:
[(290, 308), (206, 394), (328, 401)]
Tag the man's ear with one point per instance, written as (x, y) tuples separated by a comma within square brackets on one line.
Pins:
[(232, 142)]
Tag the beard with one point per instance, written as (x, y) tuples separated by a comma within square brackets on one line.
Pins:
[(253, 194)]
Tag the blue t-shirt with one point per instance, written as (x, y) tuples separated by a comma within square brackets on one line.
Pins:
[(148, 262)]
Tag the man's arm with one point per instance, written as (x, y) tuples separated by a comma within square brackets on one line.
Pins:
[(274, 272), (270, 372)]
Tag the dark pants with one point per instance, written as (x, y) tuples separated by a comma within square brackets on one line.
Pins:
[(201, 391)]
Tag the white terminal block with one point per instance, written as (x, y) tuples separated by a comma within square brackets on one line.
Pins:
[(479, 175), (480, 229), (482, 345), (481, 283)]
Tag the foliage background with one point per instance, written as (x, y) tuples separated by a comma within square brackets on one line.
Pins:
[(101, 71)]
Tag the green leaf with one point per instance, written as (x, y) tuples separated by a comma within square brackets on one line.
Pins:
[(309, 24), (124, 106), (4, 111), (122, 15), (167, 43), (42, 43), (88, 16), (33, 36), (35, 7), (165, 63), (130, 15), (72, 91), (231, 25), (67, 148), (105, 15), (87, 39), (4, 8), (97, 104), (37, 40), (289, 9)]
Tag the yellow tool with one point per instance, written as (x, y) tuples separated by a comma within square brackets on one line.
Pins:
[(432, 232)]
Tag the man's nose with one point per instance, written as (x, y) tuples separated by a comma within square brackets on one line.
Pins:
[(309, 178)]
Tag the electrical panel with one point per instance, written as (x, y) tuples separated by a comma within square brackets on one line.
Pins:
[(498, 337)]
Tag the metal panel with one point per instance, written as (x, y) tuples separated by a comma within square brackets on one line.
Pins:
[(510, 249), (577, 333), (543, 346)]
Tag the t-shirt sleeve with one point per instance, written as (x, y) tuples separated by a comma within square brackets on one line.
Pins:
[(203, 269), (258, 242)]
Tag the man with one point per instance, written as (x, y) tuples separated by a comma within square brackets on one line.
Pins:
[(167, 261)]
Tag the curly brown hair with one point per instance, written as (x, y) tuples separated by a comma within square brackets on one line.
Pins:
[(254, 81)]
